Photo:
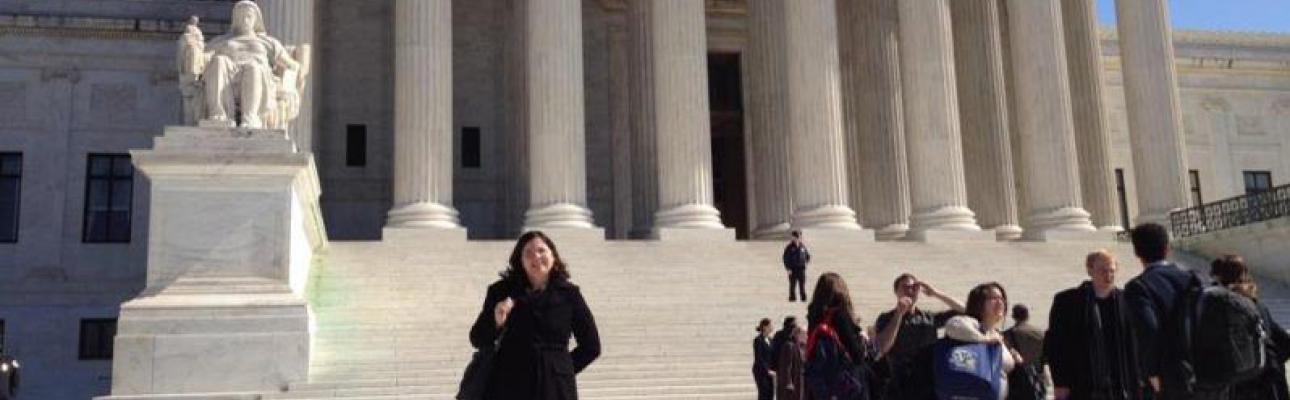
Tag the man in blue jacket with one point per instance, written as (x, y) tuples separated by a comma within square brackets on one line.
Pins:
[(1151, 298), (795, 258)]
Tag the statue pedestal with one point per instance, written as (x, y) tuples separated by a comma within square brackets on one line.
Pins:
[(233, 227)]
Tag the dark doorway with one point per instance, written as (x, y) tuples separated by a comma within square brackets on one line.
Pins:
[(729, 180)]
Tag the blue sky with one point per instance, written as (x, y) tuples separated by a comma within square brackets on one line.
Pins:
[(1227, 15)]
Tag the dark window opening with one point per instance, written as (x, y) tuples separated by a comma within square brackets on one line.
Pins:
[(10, 193), (355, 145), (96, 338), (1123, 196), (109, 192), (1196, 198), (1257, 181), (470, 147)]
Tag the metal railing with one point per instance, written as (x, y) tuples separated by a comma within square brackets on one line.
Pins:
[(1232, 212)]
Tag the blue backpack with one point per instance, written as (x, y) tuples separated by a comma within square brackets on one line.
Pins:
[(829, 372), (967, 371)]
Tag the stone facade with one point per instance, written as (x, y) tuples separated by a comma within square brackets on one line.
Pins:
[(109, 88)]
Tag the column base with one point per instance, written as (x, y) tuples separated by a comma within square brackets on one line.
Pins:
[(571, 235), (560, 215), (1065, 235), (836, 235), (698, 216), (695, 235), (1110, 228), (772, 232), (948, 235), (892, 232), (947, 218), (423, 215), (1007, 232), (423, 235), (1067, 219), (826, 217)]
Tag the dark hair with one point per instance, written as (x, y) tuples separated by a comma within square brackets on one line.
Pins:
[(765, 322), (1020, 312), (1230, 271), (895, 285), (796, 233), (830, 293), (976, 300), (515, 265), (1150, 242), (789, 322)]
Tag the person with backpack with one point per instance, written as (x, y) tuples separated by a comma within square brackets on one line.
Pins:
[(1270, 384), (1153, 298), (796, 256), (789, 363), (972, 361), (1089, 346), (763, 362), (838, 357)]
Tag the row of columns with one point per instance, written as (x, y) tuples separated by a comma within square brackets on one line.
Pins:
[(911, 122)]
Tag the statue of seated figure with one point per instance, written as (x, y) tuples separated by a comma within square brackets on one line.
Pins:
[(246, 77)]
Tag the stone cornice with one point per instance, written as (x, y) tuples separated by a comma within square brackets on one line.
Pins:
[(1220, 38), (100, 27)]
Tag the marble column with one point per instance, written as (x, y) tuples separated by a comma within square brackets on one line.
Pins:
[(644, 137), (1151, 99), (680, 72), (1092, 138), (423, 159), (817, 151), (556, 118), (936, 180), (878, 173), (983, 109), (768, 118), (1047, 138), (292, 22)]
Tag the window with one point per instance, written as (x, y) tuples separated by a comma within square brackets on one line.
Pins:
[(10, 192), (96, 338), (1196, 199), (470, 149), (355, 145), (109, 186), (1123, 196), (1257, 181), (2, 348)]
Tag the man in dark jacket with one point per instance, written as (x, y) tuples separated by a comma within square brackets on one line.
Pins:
[(1089, 345), (1151, 298), (795, 258)]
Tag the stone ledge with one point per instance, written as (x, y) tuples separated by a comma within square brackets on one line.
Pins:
[(700, 235)]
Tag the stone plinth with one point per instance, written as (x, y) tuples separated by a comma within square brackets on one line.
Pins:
[(695, 235), (233, 227)]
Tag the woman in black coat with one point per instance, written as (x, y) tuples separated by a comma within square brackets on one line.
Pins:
[(534, 310), (1231, 271)]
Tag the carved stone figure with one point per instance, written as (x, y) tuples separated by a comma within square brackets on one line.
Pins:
[(244, 77), (191, 60)]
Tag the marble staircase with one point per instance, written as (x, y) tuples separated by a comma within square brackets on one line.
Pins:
[(676, 319)]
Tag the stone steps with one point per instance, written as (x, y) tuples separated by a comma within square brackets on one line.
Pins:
[(676, 320)]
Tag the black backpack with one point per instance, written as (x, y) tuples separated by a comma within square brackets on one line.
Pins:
[(1222, 335)]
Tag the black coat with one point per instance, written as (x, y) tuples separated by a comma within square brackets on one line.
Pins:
[(1151, 297), (763, 359), (533, 360), (1075, 355)]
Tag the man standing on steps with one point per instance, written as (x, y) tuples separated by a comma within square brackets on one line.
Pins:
[(1089, 345), (795, 258), (905, 332), (1151, 298)]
